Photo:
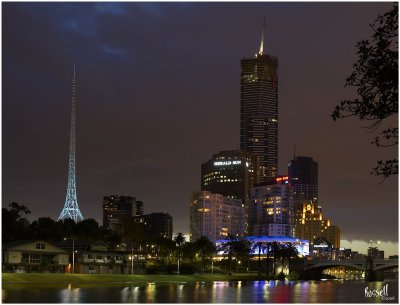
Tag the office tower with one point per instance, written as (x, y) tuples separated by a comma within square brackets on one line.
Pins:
[(159, 224), (375, 253), (271, 209), (231, 174), (259, 110), (118, 209), (312, 225), (71, 208), (303, 176), (215, 216)]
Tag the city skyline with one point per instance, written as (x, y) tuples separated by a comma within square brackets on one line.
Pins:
[(159, 92)]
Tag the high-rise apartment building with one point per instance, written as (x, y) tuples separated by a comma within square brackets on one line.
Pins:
[(303, 176), (271, 209), (311, 225), (230, 173), (215, 216), (159, 224), (117, 209), (259, 110)]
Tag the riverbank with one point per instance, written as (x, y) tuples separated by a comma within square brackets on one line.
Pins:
[(56, 278)]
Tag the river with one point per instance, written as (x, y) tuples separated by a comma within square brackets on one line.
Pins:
[(331, 291)]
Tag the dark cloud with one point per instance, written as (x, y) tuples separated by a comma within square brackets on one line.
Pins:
[(159, 93)]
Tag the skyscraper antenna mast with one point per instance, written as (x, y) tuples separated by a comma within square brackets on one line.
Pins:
[(261, 51)]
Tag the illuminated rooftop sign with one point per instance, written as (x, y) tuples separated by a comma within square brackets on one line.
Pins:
[(321, 246), (225, 163), (283, 178)]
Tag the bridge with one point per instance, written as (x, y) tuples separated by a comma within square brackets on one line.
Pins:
[(373, 268), (360, 264)]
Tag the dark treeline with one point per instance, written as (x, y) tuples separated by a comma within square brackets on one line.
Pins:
[(131, 236), (17, 227), (234, 255)]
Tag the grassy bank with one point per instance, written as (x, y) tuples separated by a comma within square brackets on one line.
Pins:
[(53, 278)]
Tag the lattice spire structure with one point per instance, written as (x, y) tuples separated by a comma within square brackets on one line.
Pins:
[(71, 208)]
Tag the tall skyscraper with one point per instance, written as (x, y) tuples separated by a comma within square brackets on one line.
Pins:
[(259, 110), (230, 173), (71, 208), (303, 176)]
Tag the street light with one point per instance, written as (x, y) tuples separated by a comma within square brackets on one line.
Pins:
[(73, 253), (132, 261), (178, 262)]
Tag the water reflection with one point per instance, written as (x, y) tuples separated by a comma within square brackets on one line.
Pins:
[(180, 293), (130, 294), (301, 293), (218, 290), (70, 295), (150, 293), (3, 295), (312, 292), (200, 292)]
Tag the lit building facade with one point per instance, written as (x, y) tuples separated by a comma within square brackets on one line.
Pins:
[(215, 216), (312, 225), (230, 173), (259, 110), (117, 209), (271, 209), (301, 245), (159, 224)]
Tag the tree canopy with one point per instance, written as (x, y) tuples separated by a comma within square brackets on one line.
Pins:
[(375, 76), (15, 225)]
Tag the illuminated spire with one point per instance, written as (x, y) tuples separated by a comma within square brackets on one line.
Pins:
[(261, 52), (71, 208)]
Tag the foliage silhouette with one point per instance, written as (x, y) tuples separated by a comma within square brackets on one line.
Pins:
[(375, 76)]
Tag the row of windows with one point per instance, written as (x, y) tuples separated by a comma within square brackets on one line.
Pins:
[(31, 258), (101, 257)]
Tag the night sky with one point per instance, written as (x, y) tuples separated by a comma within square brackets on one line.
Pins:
[(158, 92)]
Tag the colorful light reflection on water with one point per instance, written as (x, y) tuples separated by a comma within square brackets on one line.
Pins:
[(199, 292)]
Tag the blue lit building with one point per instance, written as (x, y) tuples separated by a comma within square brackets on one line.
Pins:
[(302, 245)]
